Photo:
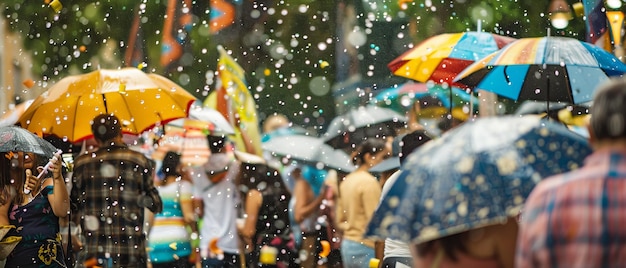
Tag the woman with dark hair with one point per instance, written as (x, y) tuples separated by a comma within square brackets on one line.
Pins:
[(265, 229), (35, 215), (308, 199), (169, 243), (359, 193)]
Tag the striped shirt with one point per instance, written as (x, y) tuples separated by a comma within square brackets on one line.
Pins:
[(111, 188), (577, 219)]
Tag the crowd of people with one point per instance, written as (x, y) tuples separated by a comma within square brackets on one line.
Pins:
[(124, 209)]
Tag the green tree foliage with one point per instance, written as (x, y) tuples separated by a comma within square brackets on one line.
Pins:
[(283, 45)]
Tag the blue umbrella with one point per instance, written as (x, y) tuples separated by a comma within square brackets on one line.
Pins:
[(432, 96), (475, 175), (556, 69)]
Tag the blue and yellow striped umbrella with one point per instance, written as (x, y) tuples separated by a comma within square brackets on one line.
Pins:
[(558, 69)]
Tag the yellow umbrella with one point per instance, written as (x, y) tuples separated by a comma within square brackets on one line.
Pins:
[(139, 100)]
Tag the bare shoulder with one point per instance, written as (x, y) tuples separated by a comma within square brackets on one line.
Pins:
[(509, 227), (485, 242)]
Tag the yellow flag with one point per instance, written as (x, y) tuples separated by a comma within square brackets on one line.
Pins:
[(233, 100)]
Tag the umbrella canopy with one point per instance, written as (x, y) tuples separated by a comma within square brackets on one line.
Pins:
[(12, 115), (205, 119), (475, 175), (441, 57), (434, 98), (139, 100), (308, 149), (557, 69), (285, 131), (17, 139), (353, 127)]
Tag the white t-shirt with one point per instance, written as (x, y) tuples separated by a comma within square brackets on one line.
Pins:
[(220, 200), (394, 248)]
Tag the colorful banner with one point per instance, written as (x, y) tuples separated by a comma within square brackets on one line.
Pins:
[(135, 49), (596, 22), (223, 14), (176, 28), (233, 100)]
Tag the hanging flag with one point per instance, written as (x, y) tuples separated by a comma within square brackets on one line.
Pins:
[(596, 22), (223, 14), (135, 55), (233, 100), (176, 28)]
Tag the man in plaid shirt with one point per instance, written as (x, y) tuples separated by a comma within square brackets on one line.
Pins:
[(578, 219), (111, 187)]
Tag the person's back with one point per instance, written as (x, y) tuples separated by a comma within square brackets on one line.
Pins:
[(169, 241), (266, 226), (218, 199), (587, 229), (111, 188), (576, 219), (308, 198)]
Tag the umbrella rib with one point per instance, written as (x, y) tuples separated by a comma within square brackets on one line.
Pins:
[(75, 116), (570, 90), (129, 113), (104, 100), (506, 75)]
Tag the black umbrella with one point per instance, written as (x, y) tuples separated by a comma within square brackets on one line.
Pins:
[(17, 139), (537, 107), (352, 128)]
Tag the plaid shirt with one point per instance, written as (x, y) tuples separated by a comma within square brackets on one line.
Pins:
[(577, 219), (111, 188)]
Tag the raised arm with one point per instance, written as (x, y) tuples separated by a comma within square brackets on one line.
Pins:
[(59, 198)]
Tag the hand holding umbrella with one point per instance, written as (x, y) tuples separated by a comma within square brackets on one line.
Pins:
[(53, 165)]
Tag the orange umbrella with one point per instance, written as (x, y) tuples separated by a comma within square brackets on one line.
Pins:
[(139, 100), (11, 116)]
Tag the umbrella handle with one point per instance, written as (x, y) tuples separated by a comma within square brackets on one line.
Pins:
[(45, 171)]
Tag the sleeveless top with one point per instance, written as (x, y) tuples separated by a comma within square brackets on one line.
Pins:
[(273, 230), (36, 223), (169, 239)]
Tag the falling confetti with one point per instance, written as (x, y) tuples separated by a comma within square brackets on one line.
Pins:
[(122, 88), (29, 83), (324, 64), (374, 262), (56, 5), (325, 249), (214, 248), (268, 255)]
